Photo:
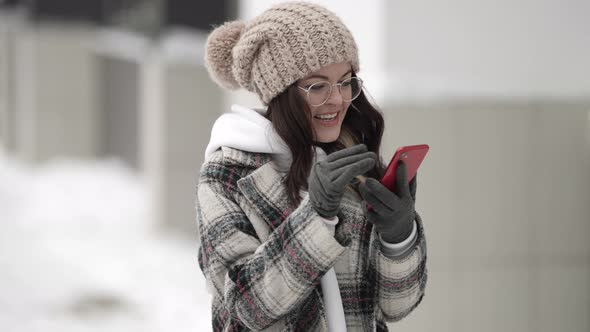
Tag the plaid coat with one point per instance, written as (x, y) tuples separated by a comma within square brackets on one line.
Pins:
[(263, 259)]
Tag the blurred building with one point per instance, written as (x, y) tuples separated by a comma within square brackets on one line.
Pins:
[(113, 78)]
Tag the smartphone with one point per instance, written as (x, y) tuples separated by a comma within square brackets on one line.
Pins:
[(412, 156)]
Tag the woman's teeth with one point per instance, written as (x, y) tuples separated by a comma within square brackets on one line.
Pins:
[(327, 116)]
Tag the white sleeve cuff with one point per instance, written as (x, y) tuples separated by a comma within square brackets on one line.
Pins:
[(393, 250), (330, 223)]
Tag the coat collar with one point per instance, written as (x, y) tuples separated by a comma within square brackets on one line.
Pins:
[(235, 157)]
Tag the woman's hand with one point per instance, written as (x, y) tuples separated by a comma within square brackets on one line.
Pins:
[(392, 214), (329, 177)]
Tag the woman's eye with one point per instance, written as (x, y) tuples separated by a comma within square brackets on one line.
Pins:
[(317, 87)]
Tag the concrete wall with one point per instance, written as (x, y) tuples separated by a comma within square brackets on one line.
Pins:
[(119, 84), (55, 98), (504, 195), (8, 27), (191, 104)]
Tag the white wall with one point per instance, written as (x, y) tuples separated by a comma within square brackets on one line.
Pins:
[(489, 48)]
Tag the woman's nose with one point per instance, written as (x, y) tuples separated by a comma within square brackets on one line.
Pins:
[(335, 96)]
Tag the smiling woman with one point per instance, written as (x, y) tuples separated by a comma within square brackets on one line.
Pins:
[(286, 240)]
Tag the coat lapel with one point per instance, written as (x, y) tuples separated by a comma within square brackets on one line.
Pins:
[(264, 189)]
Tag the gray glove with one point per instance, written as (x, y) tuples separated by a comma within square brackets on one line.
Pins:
[(392, 214), (329, 177)]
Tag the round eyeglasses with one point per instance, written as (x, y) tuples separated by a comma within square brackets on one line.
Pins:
[(318, 93)]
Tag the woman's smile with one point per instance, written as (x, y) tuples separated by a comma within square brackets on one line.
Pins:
[(328, 119)]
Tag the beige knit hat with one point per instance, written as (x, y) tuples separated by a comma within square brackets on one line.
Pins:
[(282, 45)]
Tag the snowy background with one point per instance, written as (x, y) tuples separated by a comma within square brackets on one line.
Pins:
[(77, 255)]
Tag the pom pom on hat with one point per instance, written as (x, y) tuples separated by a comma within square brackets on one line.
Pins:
[(218, 53)]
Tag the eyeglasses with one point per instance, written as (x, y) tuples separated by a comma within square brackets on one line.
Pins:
[(318, 93)]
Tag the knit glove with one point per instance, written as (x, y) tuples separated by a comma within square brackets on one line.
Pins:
[(392, 214), (329, 177)]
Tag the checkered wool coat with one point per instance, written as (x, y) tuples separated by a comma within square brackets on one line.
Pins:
[(263, 259)]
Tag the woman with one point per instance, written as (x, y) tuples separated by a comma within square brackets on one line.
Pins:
[(287, 241)]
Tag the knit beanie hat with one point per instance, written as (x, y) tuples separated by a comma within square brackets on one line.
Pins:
[(280, 46)]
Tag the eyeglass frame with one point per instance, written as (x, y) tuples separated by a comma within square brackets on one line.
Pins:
[(332, 90)]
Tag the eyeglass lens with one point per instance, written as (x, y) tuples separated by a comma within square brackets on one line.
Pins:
[(319, 93)]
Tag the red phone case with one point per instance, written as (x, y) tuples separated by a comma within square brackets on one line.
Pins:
[(412, 156)]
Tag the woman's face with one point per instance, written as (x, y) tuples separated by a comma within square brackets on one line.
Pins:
[(327, 118)]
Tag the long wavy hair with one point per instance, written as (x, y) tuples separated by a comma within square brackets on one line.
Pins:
[(363, 123)]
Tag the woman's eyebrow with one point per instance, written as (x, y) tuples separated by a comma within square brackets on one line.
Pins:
[(325, 77)]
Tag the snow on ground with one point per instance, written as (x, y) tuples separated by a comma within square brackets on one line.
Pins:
[(77, 254)]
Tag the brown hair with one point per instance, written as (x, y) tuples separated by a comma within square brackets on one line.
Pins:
[(363, 124)]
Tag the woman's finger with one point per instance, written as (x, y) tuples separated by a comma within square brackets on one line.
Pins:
[(339, 163), (377, 202), (356, 149), (401, 183), (352, 170), (381, 193), (413, 185)]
